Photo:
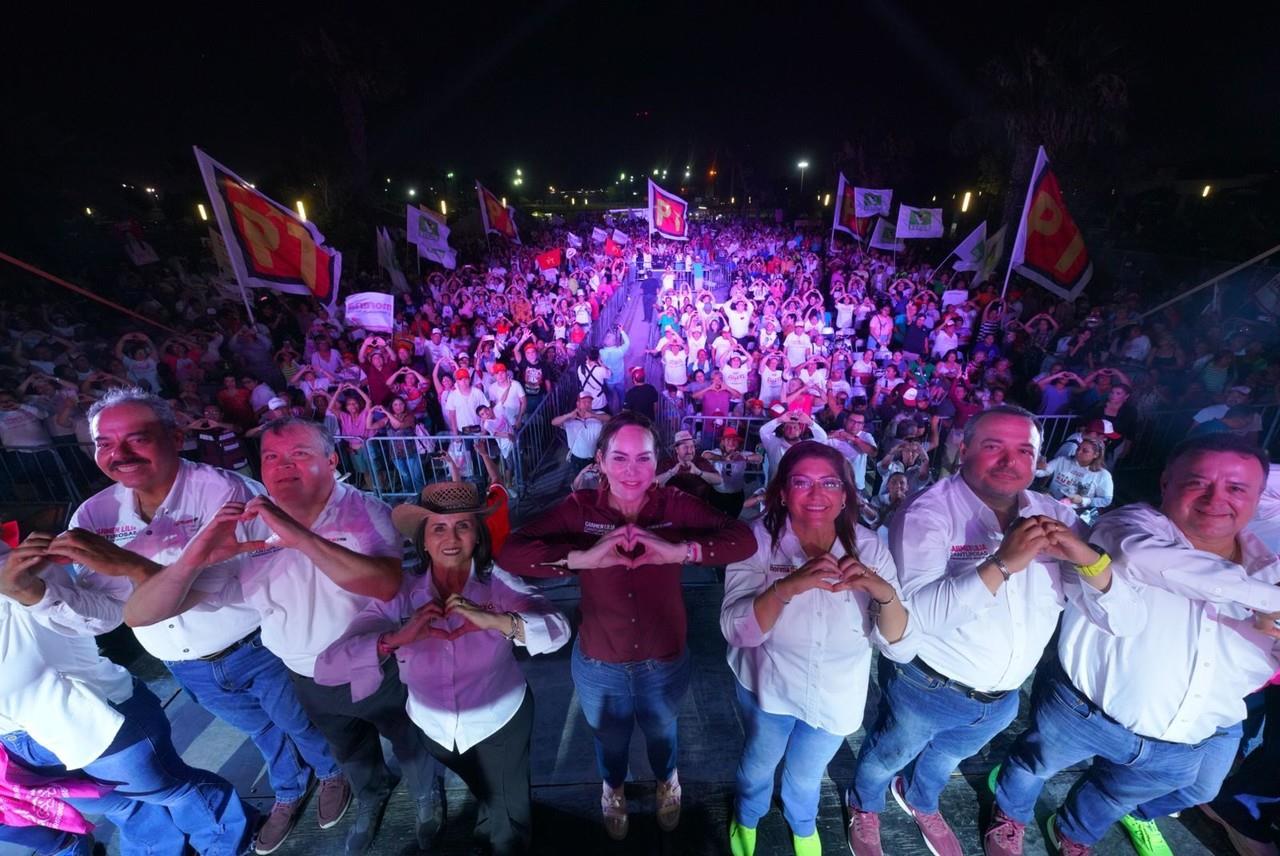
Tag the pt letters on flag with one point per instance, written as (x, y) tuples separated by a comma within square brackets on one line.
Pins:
[(919, 222), (1049, 249), (268, 245), (668, 214), (498, 218), (868, 202), (371, 310)]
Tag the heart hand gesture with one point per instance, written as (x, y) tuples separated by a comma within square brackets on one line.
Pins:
[(216, 541)]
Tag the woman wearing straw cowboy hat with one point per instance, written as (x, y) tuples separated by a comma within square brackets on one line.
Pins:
[(453, 631)]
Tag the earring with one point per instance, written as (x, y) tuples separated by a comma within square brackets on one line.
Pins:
[(843, 504)]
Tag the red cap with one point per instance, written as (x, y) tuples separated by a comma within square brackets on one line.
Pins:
[(1102, 427), (730, 431), (462, 374), (499, 367)]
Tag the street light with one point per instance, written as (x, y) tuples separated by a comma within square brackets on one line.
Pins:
[(804, 164), (1204, 194), (964, 203), (412, 192), (204, 215), (88, 212), (444, 208), (302, 210)]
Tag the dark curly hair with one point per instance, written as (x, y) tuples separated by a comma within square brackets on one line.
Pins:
[(775, 513)]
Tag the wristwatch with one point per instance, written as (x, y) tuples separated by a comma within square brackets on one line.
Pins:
[(1000, 565)]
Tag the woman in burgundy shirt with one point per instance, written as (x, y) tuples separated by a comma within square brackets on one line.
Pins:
[(627, 541)]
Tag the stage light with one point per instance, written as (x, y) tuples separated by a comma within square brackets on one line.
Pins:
[(826, 200), (1204, 194), (504, 202), (412, 192), (733, 200), (88, 212), (444, 208), (204, 215), (622, 176), (448, 175), (302, 210), (388, 181), (518, 172), (964, 203)]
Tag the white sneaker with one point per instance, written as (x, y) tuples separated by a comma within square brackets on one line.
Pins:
[(669, 803), (613, 805)]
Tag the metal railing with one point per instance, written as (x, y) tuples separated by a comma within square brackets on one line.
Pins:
[(54, 473), (397, 468)]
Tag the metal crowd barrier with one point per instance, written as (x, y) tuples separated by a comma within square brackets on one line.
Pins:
[(56, 473), (397, 468)]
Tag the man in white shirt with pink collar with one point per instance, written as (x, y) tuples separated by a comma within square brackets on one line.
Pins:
[(979, 559), (1157, 703), (328, 550)]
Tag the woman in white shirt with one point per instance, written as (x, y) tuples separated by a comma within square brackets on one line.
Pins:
[(453, 632), (801, 617), (1081, 481), (771, 380)]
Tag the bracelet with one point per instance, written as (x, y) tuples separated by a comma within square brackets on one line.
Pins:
[(515, 626), (1092, 570), (774, 588), (690, 552), (887, 602), (1000, 565)]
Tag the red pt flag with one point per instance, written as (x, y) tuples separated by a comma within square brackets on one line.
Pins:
[(1049, 249), (668, 214), (268, 245)]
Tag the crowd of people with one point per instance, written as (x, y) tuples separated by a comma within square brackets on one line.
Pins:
[(891, 417)]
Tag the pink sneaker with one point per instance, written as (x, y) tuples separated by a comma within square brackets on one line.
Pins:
[(864, 833), (938, 836), (1004, 836), (1064, 845)]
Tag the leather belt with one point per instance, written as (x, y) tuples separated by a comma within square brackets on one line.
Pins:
[(234, 646), (963, 689)]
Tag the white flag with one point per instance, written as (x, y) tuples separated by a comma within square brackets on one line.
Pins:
[(867, 202), (972, 251), (387, 261), (883, 237), (620, 237), (371, 310), (598, 235), (991, 257), (919, 222), (573, 240), (428, 231)]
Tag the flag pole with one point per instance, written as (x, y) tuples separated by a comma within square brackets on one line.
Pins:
[(1214, 281), (248, 305)]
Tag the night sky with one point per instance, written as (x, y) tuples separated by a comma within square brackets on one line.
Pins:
[(575, 92)]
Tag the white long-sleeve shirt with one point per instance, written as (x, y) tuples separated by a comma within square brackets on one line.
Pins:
[(54, 684), (463, 690), (989, 642), (198, 491), (775, 445), (1184, 671), (815, 662)]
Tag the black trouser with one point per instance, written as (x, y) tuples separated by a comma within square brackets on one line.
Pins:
[(497, 771), (352, 729), (729, 503)]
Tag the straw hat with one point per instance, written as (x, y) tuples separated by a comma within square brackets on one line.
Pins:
[(438, 498)]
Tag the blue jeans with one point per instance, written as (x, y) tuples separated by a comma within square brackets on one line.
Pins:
[(409, 468), (157, 797), (928, 721), (1130, 774), (1250, 796), (617, 696), (250, 690), (804, 752), (46, 842)]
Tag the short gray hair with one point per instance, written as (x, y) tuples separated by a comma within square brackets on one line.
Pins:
[(323, 434), (971, 427), (135, 395)]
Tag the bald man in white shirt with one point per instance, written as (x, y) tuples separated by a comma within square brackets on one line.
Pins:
[(1156, 703)]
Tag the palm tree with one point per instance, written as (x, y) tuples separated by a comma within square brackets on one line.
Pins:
[(1066, 91)]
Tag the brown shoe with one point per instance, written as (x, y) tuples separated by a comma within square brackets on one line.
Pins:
[(276, 828), (335, 796)]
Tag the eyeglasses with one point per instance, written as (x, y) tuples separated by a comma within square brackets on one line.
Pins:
[(804, 483)]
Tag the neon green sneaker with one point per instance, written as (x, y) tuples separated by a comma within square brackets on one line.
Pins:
[(991, 779), (742, 840), (1146, 836), (808, 845)]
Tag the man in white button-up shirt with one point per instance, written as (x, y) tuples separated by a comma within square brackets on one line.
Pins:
[(326, 551), (128, 531), (1157, 703), (978, 558), (64, 707)]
